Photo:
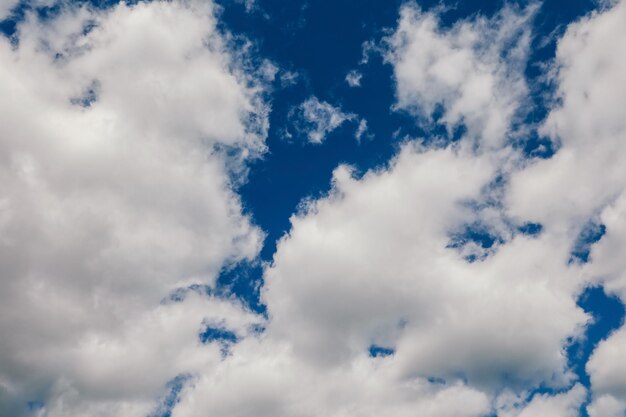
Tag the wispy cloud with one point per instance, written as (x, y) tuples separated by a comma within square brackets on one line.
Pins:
[(315, 119), (353, 78)]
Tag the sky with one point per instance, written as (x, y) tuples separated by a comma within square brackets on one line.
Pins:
[(261, 208)]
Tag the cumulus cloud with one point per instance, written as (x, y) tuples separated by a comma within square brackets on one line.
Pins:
[(6, 7), (474, 71), (125, 133), (566, 404), (584, 181), (369, 266), (316, 119), (374, 266), (121, 134), (382, 242), (585, 175), (264, 378)]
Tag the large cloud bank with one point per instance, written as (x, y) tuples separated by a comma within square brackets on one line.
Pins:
[(121, 143)]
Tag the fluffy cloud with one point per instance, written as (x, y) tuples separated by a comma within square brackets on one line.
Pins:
[(316, 119), (372, 265), (119, 146), (121, 134), (589, 126), (123, 370), (474, 70), (607, 369), (6, 7), (566, 404), (265, 377), (585, 180)]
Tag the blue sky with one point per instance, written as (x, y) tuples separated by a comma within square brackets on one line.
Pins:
[(337, 208)]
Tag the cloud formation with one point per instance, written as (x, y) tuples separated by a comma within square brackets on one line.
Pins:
[(472, 73), (122, 132), (440, 284), (584, 181), (353, 78), (6, 7), (376, 264), (315, 119)]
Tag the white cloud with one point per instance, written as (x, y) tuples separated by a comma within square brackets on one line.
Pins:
[(585, 179), (316, 119), (607, 369), (361, 129), (370, 265), (586, 173), (122, 370), (116, 191), (6, 6), (369, 48), (475, 70), (353, 78), (264, 378), (566, 404), (606, 406)]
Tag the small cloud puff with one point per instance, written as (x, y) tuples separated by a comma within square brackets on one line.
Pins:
[(316, 119), (353, 78), (361, 130)]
